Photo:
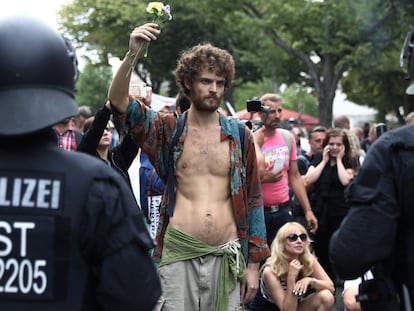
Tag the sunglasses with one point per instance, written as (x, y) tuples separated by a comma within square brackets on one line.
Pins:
[(294, 237)]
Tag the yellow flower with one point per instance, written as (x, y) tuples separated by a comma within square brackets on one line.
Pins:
[(155, 8), (158, 9)]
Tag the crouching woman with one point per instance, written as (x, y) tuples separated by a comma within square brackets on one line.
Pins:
[(292, 278)]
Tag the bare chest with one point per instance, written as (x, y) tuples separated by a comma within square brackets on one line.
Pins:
[(204, 153)]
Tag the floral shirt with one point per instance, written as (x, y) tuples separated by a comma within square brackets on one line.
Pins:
[(154, 133)]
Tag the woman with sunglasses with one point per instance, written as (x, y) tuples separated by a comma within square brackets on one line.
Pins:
[(292, 278)]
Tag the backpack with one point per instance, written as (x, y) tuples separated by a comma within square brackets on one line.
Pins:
[(171, 178), (288, 139), (303, 164)]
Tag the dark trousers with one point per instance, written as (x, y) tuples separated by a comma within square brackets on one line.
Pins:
[(259, 303), (276, 219), (321, 245)]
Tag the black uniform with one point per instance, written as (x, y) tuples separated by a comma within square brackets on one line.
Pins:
[(380, 225), (71, 234)]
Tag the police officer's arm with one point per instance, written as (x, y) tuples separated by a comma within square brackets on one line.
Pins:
[(119, 89), (116, 241)]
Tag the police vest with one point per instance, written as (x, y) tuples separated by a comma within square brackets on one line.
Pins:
[(42, 196)]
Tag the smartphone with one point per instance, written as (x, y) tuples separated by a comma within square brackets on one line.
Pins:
[(278, 164)]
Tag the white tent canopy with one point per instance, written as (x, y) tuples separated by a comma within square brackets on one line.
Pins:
[(357, 114), (159, 101)]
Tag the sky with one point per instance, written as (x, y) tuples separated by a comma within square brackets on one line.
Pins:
[(44, 9)]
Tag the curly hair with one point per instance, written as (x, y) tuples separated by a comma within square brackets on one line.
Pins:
[(279, 260), (202, 56)]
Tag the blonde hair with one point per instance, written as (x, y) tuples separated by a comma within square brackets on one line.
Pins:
[(354, 143), (279, 260)]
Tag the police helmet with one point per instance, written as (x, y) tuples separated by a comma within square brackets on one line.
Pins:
[(38, 72)]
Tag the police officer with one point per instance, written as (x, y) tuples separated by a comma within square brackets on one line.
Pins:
[(71, 234), (378, 231)]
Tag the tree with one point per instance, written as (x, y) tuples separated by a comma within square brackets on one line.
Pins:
[(309, 42), (105, 26), (380, 83), (93, 84), (326, 36)]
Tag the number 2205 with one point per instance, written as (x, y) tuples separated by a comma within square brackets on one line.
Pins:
[(23, 277)]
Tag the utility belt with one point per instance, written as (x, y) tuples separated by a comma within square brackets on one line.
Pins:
[(276, 208)]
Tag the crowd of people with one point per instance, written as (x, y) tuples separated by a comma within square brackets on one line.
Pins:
[(225, 217)]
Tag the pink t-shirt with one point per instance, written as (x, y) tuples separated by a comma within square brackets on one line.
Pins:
[(273, 148)]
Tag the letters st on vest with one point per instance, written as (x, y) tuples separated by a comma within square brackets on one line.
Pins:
[(30, 205)]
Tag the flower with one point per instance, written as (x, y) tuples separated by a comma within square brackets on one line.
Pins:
[(159, 10), (155, 8)]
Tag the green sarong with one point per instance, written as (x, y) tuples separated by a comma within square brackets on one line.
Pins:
[(179, 246)]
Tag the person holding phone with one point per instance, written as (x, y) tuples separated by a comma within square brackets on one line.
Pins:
[(328, 175)]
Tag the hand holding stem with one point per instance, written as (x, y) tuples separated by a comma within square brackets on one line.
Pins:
[(139, 40)]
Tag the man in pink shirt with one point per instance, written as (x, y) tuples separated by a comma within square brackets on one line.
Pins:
[(281, 171)]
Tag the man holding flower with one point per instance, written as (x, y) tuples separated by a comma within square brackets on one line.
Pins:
[(211, 241)]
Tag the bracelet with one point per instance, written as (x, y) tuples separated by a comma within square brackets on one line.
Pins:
[(313, 282)]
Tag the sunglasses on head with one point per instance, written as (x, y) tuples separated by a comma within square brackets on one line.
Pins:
[(294, 237)]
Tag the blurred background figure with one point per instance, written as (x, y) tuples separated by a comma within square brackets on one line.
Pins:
[(316, 138), (341, 122), (358, 132), (409, 118), (84, 113), (372, 136), (298, 134), (97, 141), (67, 136)]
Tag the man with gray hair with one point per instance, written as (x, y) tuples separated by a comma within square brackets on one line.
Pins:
[(341, 122)]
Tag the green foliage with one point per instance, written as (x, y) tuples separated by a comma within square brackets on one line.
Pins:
[(249, 90), (300, 99), (295, 97), (92, 86), (105, 26), (311, 44)]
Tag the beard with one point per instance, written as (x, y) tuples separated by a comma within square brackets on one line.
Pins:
[(274, 124), (207, 103)]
